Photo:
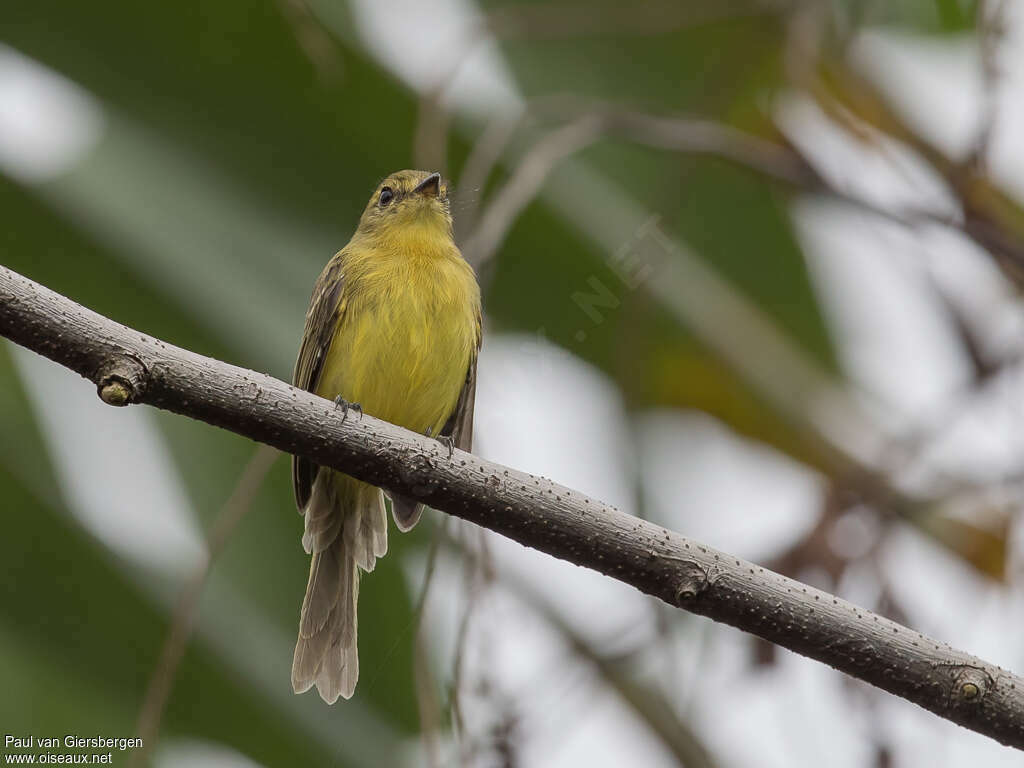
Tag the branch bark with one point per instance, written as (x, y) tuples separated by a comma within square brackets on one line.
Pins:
[(130, 367)]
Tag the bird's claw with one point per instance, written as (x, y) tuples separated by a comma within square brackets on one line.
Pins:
[(346, 406), (448, 442)]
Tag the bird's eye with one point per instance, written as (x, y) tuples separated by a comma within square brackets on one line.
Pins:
[(386, 196)]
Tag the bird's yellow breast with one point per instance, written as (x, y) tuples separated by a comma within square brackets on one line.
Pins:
[(406, 333)]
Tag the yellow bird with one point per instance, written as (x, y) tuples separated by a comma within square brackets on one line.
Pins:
[(393, 329)]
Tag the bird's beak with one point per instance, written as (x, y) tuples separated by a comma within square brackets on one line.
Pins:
[(430, 185)]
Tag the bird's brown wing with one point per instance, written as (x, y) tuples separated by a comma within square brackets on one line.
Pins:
[(460, 424), (325, 310)]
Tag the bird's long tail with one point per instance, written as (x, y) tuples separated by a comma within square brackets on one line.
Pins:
[(345, 530)]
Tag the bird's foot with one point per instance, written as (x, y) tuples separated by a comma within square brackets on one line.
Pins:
[(448, 442), (346, 406)]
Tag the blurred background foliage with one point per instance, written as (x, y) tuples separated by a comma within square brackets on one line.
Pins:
[(229, 150)]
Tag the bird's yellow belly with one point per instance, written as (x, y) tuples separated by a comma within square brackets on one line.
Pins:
[(403, 353)]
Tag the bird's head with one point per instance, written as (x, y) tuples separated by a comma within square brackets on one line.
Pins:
[(408, 203)]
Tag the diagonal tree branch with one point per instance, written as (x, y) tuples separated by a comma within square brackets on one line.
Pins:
[(130, 367)]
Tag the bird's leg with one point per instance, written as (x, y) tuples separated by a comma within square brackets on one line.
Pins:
[(345, 405), (449, 442), (446, 440)]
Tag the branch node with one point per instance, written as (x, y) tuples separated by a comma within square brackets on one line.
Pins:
[(970, 686), (121, 380), (691, 581), (418, 471)]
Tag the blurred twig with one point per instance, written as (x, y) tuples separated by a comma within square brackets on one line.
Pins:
[(571, 20), (161, 682), (989, 216), (430, 140), (648, 704), (588, 123), (313, 37), (487, 152), (525, 184), (129, 367), (426, 690), (554, 21), (479, 576), (991, 22), (594, 122)]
